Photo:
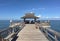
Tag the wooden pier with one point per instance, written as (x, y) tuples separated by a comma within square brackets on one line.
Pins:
[(9, 33), (30, 33), (39, 31)]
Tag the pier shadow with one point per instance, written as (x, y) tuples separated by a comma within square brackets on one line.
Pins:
[(15, 38)]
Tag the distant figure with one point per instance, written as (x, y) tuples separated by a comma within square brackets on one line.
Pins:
[(32, 22)]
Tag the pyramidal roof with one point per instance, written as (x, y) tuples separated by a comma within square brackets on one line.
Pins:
[(30, 15)]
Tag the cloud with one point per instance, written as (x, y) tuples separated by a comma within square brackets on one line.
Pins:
[(43, 16), (56, 17), (37, 8), (34, 9), (51, 17), (47, 17), (39, 16)]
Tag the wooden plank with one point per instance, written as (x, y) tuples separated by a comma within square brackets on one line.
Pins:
[(30, 33)]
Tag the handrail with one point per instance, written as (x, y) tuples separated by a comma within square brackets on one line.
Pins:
[(47, 31), (7, 33), (51, 34), (54, 32)]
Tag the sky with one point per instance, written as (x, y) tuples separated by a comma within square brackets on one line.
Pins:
[(14, 9)]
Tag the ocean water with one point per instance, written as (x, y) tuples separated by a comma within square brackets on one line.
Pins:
[(55, 24), (4, 24)]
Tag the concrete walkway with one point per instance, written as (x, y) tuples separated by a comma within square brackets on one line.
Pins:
[(30, 33)]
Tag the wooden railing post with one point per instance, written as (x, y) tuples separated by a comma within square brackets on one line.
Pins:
[(10, 31), (46, 32), (56, 38), (1, 39), (13, 30)]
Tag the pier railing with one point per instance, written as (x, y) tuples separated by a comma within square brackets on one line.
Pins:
[(12, 31), (52, 35)]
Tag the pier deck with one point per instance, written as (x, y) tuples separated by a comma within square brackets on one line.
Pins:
[(30, 33)]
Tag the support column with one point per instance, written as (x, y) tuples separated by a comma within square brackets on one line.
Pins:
[(35, 19), (24, 19)]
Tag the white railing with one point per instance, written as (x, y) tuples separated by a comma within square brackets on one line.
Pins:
[(9, 33), (51, 34)]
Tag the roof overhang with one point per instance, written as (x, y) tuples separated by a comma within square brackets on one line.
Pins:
[(29, 15)]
